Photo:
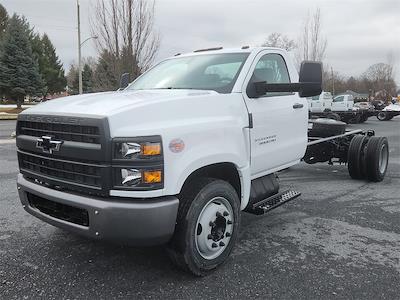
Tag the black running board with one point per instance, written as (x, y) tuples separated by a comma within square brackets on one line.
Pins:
[(273, 202)]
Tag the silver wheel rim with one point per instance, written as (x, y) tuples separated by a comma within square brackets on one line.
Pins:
[(214, 228), (381, 115), (383, 159)]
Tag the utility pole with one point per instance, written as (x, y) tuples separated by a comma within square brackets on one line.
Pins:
[(79, 49), (333, 83)]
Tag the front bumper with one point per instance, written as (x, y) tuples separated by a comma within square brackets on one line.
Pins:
[(140, 222)]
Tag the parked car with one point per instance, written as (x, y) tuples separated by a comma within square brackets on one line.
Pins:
[(364, 105)]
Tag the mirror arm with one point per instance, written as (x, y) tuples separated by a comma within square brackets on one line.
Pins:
[(263, 87)]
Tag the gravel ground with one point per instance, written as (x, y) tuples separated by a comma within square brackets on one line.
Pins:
[(339, 240)]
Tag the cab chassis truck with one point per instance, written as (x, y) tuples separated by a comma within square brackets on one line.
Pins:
[(174, 157), (349, 117)]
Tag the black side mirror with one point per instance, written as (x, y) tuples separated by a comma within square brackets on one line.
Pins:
[(310, 79), (125, 80), (310, 83)]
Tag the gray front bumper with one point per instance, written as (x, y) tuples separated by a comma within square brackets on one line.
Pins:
[(140, 222)]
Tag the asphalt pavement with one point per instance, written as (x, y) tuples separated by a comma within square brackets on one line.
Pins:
[(339, 240), (6, 128)]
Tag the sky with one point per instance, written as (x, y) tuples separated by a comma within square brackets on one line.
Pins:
[(359, 32)]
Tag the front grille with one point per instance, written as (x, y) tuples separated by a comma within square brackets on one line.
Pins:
[(59, 211), (60, 171), (61, 131)]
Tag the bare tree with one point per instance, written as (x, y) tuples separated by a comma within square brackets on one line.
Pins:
[(280, 41), (312, 43), (381, 80), (125, 31)]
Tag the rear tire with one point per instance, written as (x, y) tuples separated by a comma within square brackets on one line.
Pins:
[(354, 157), (355, 120), (364, 118), (333, 116), (377, 158), (382, 116), (207, 226)]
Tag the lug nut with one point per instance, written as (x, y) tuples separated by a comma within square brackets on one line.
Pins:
[(228, 234), (229, 222), (209, 237), (214, 245), (221, 244), (226, 214)]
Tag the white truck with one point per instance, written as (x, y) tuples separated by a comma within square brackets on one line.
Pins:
[(175, 157), (320, 103), (389, 112), (340, 108)]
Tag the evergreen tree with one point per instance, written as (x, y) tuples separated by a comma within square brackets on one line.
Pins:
[(104, 76), (87, 79), (50, 66), (3, 20), (19, 70), (73, 80)]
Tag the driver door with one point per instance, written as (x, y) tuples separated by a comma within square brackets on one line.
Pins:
[(280, 120)]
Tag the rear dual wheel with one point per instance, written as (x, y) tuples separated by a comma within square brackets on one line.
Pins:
[(368, 158), (355, 157), (376, 158), (207, 226)]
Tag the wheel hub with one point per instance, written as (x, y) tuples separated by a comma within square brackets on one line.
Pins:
[(218, 228), (214, 228)]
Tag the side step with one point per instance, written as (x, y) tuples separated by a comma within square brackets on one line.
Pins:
[(273, 202)]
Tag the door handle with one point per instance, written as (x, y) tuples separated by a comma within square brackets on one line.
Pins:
[(297, 105)]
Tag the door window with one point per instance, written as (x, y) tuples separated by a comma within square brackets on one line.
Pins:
[(338, 99), (271, 68)]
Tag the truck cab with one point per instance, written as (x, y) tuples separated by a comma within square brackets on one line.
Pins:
[(172, 158), (343, 103), (320, 103)]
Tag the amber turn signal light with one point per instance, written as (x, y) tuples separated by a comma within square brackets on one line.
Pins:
[(151, 149), (152, 177)]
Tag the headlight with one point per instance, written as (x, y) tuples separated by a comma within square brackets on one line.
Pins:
[(135, 177), (138, 148), (138, 163)]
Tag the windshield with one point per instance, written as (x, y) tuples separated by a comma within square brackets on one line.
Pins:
[(216, 72)]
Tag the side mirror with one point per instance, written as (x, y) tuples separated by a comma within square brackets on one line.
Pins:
[(124, 82), (310, 83), (310, 79)]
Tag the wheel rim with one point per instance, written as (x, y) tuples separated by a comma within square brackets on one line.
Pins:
[(383, 159), (381, 115), (214, 228)]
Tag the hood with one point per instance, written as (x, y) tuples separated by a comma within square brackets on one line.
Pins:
[(110, 103), (150, 112)]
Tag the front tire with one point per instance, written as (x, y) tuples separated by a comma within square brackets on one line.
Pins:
[(207, 226)]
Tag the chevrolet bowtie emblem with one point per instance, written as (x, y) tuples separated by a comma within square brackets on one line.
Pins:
[(48, 145)]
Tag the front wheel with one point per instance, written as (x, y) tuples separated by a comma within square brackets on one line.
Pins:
[(207, 226)]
